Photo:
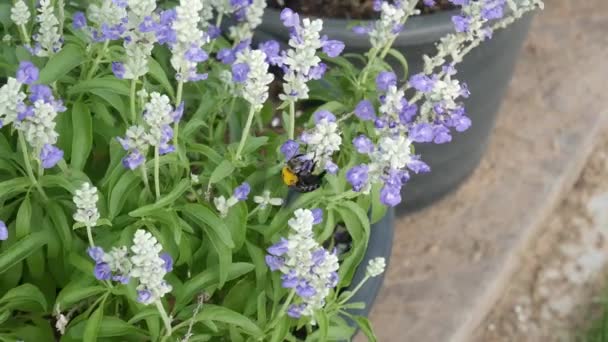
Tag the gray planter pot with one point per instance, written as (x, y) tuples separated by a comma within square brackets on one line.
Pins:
[(487, 70)]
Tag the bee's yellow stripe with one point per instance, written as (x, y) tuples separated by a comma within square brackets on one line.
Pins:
[(289, 178)]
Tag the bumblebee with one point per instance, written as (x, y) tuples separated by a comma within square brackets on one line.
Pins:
[(298, 174)]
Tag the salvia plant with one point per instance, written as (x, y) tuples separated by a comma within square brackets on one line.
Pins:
[(150, 156)]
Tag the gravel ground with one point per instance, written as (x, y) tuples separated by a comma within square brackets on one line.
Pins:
[(555, 294)]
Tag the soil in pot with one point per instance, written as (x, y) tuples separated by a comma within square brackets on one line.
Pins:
[(349, 9)]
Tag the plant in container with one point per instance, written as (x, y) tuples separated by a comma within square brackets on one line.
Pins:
[(487, 71), (148, 184)]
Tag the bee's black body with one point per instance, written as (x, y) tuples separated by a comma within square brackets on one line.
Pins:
[(298, 174)]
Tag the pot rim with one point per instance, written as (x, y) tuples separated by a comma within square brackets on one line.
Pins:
[(418, 29)]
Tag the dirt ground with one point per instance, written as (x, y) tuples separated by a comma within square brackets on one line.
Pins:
[(557, 291)]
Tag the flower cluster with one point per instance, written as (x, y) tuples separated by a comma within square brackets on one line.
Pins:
[(108, 19), (391, 22), (156, 131), (251, 72), (187, 50), (323, 140), (146, 264), (301, 63), (308, 269), (35, 118), (248, 14), (20, 13), (240, 193), (85, 200), (375, 267), (48, 39)]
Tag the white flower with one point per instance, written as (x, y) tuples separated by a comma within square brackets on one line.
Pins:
[(253, 18), (194, 178), (48, 38), (266, 200), (136, 139), (61, 321), (393, 152), (392, 16), (158, 115), (108, 13), (138, 52), (118, 260), (148, 267), (141, 8), (20, 13), (85, 200), (323, 140), (11, 97), (375, 267), (255, 88), (221, 6), (302, 221), (189, 36), (223, 205), (392, 104), (39, 128)]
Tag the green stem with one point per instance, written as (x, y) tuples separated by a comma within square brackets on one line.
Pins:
[(255, 210), (353, 292), (90, 236), (165, 318), (282, 311), (245, 132), (98, 60), (292, 120), (132, 98), (144, 176), (178, 101), (156, 173), (24, 36), (28, 167)]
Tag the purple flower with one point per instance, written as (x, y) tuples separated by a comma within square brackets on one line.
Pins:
[(272, 49), (318, 256), (242, 191), (365, 110), (333, 280), (25, 112), (304, 290), (461, 123), (50, 156), (361, 30), (279, 248), (318, 71), (295, 311), (118, 69), (102, 271), (289, 281), (324, 114), (3, 231), (442, 134), (240, 71), (226, 56), (144, 296), (121, 278), (357, 176), (133, 160), (385, 80), (96, 253), (464, 90), (317, 214), (331, 167), (408, 112), (290, 149), (429, 2), (363, 144), (213, 31), (460, 2), (41, 92), (168, 265), (390, 196), (274, 262), (418, 166), (178, 113), (79, 20), (461, 23), (422, 82), (421, 133), (449, 69), (196, 55), (27, 72), (290, 18), (333, 48), (493, 9), (377, 5)]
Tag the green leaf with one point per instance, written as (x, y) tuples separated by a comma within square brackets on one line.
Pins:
[(358, 227), (5, 15), (165, 201), (120, 193), (220, 314), (143, 314), (378, 209), (237, 223), (253, 144), (208, 278), (61, 224), (323, 323), (77, 291), (399, 56), (114, 327), (21, 297), (366, 328), (109, 83), (64, 61), (13, 187), (23, 224), (280, 330), (222, 171), (157, 73), (92, 326), (82, 139), (22, 249), (210, 223), (207, 151)]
